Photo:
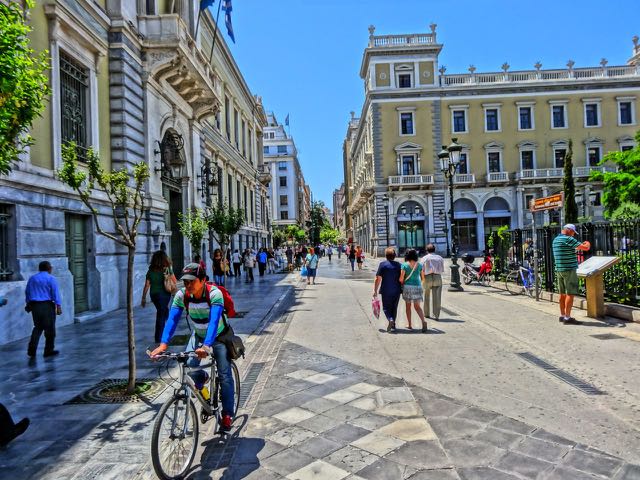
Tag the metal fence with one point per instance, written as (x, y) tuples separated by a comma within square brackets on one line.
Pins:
[(621, 239)]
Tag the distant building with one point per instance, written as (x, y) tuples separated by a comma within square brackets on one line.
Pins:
[(514, 127), (338, 206)]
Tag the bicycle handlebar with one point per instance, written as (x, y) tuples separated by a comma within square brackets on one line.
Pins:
[(173, 356)]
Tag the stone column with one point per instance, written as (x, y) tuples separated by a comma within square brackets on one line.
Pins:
[(480, 230), (519, 206)]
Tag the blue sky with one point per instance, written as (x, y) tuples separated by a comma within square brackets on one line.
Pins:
[(303, 56)]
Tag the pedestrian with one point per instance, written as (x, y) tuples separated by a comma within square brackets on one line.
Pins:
[(218, 267), (42, 297), (227, 264), (262, 261), (159, 268), (351, 254), (339, 251), (411, 278), (565, 247), (311, 262), (359, 256), (433, 268), (237, 262), (329, 251), (289, 254), (271, 261), (387, 283), (249, 263)]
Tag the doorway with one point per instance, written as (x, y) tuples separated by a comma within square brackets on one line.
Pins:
[(76, 249)]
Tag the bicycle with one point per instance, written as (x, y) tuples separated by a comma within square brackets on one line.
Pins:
[(175, 432), (471, 272), (520, 280)]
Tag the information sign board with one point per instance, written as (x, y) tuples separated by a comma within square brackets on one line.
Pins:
[(547, 203), (595, 265)]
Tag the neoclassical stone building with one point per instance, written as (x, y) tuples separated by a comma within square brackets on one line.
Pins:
[(133, 80), (514, 127)]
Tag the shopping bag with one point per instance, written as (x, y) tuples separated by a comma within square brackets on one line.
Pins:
[(375, 306), (304, 272)]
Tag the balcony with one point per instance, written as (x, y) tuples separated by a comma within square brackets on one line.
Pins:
[(361, 193), (264, 174), (410, 180), (586, 171), (174, 59), (464, 178), (540, 174), (498, 177)]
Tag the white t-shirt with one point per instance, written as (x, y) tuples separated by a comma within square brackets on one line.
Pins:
[(432, 263), (235, 258)]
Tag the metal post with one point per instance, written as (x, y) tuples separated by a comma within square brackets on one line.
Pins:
[(386, 213), (455, 285)]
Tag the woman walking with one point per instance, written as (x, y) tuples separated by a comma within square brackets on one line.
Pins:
[(311, 262), (218, 267), (159, 268), (249, 263), (388, 284), (411, 278), (359, 256), (351, 254), (237, 262)]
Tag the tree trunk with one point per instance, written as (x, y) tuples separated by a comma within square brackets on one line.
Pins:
[(131, 385)]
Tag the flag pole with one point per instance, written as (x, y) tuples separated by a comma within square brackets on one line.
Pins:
[(215, 31)]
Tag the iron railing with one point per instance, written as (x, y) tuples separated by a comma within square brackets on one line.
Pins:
[(619, 239), (74, 89)]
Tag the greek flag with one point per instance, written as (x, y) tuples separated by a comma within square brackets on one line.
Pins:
[(206, 3), (226, 6)]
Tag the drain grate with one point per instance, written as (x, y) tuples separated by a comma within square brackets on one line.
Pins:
[(449, 312), (606, 336), (561, 374), (249, 381)]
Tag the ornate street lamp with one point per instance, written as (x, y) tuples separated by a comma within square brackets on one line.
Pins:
[(449, 161)]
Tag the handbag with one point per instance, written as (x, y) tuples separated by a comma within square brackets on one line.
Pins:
[(234, 344), (170, 284), (375, 305), (304, 272)]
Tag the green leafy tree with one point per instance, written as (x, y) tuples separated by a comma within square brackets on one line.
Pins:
[(295, 232), (123, 192), (329, 235), (194, 227), (626, 211), (317, 221), (23, 83), (279, 237), (224, 222), (624, 185), (569, 187)]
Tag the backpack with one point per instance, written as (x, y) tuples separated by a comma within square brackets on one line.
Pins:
[(229, 306)]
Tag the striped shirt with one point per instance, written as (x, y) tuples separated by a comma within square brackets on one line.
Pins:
[(564, 253), (199, 310)]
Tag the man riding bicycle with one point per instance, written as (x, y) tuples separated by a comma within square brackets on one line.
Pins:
[(209, 319)]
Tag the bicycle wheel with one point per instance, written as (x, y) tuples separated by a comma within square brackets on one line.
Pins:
[(485, 279), (174, 439), (466, 276), (236, 387), (513, 282)]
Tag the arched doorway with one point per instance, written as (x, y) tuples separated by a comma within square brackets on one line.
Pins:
[(496, 214), (173, 169), (465, 228), (411, 226)]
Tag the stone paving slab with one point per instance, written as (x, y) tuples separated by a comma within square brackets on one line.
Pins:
[(366, 425)]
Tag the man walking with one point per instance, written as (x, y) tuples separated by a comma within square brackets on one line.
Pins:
[(433, 267), (566, 263), (42, 298)]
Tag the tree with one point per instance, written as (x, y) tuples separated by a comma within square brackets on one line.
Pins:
[(626, 211), (124, 193), (193, 226), (329, 235), (295, 232), (279, 237), (223, 222), (570, 205), (23, 83), (317, 221), (624, 185)]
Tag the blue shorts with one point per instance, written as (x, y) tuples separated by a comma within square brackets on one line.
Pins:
[(311, 272)]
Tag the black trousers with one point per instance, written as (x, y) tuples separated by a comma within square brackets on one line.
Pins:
[(236, 269), (161, 302), (44, 320), (261, 268)]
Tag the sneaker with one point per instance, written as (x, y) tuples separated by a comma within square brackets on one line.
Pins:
[(225, 423), (572, 321), (52, 353), (561, 319)]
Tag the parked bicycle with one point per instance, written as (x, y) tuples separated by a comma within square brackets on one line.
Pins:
[(471, 272), (520, 280), (175, 433)]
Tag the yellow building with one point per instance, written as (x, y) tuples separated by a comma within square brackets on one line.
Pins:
[(514, 126)]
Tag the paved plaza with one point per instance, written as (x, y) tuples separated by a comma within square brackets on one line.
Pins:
[(338, 398)]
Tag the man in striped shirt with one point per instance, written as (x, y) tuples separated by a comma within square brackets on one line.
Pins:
[(209, 321), (566, 263)]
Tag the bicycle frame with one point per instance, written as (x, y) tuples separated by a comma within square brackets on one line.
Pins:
[(529, 281)]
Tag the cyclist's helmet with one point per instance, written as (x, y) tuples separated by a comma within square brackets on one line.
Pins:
[(193, 271)]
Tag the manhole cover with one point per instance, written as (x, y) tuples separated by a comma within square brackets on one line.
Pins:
[(106, 391), (606, 336)]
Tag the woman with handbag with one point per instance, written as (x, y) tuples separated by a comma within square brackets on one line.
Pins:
[(411, 278), (162, 283), (387, 283), (311, 263)]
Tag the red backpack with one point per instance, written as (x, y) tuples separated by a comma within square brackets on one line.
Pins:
[(229, 306)]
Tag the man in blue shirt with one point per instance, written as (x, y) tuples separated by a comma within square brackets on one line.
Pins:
[(42, 298)]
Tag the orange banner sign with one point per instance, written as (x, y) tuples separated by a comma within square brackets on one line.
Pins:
[(547, 203)]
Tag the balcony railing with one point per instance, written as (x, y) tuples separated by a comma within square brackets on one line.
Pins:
[(498, 177), (540, 173), (586, 171), (402, 40), (398, 180), (464, 178), (531, 76)]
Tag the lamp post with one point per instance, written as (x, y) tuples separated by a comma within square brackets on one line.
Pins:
[(385, 202), (443, 219), (416, 211), (449, 161)]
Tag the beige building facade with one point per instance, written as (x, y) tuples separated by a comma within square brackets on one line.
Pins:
[(514, 126)]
